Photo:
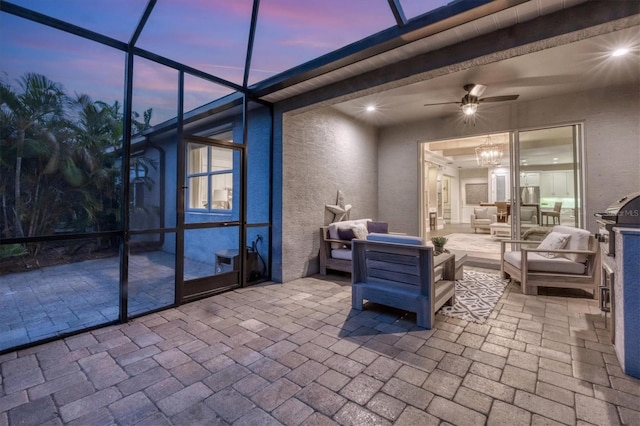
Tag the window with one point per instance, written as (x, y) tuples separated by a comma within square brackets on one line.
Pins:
[(209, 178)]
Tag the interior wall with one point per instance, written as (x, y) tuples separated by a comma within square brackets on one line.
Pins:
[(323, 151), (612, 147), (470, 176), (454, 192)]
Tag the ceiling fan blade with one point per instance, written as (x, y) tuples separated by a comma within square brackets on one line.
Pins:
[(477, 90), (499, 98), (443, 103)]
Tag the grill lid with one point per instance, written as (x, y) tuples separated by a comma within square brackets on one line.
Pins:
[(626, 210)]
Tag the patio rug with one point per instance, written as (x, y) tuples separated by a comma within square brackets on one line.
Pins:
[(476, 296)]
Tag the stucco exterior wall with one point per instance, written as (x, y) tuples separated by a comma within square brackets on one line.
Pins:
[(323, 151), (611, 146)]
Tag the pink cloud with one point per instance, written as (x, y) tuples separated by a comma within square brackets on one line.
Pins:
[(239, 8), (328, 14), (306, 42)]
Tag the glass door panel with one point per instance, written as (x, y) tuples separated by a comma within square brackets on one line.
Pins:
[(211, 260), (549, 170), (212, 229), (151, 271)]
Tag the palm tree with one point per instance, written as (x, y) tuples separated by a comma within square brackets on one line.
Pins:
[(140, 126), (61, 158), (32, 111), (94, 149)]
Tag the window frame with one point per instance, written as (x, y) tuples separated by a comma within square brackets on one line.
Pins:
[(209, 174)]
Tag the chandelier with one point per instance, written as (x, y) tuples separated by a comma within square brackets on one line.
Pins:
[(488, 154)]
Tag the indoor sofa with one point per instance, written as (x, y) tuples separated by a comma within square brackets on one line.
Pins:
[(483, 217)]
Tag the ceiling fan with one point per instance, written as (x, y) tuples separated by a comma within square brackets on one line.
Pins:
[(470, 101)]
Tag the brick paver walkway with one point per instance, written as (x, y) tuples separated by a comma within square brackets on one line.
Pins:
[(51, 301), (296, 354)]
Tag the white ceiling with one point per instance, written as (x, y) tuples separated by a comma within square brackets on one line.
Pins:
[(569, 68)]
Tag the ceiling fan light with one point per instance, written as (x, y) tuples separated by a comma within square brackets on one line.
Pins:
[(469, 109)]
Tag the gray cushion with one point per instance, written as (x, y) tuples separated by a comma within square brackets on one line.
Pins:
[(344, 254), (539, 263)]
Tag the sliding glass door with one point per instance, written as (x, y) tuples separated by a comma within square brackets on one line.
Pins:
[(546, 180)]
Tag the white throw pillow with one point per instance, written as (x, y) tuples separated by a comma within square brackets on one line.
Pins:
[(553, 241), (360, 231), (579, 241)]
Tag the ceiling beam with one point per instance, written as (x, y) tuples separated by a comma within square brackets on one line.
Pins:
[(469, 142), (455, 152)]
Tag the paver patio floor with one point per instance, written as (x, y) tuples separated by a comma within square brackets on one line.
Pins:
[(54, 300), (297, 354)]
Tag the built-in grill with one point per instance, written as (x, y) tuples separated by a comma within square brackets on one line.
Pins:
[(623, 213)]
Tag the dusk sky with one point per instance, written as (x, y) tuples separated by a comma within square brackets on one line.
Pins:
[(208, 35)]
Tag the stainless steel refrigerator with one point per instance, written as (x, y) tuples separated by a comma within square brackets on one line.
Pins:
[(530, 194)]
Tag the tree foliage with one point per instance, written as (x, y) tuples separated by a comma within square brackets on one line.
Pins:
[(60, 160)]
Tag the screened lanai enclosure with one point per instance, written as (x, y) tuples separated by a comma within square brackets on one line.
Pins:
[(137, 145), (130, 182)]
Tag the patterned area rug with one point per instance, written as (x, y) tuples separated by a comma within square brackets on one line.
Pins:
[(476, 296)]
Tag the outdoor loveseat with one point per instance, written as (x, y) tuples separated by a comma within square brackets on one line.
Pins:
[(568, 258), (335, 242)]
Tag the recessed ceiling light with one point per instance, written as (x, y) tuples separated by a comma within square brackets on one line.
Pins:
[(620, 52), (555, 159), (371, 108)]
